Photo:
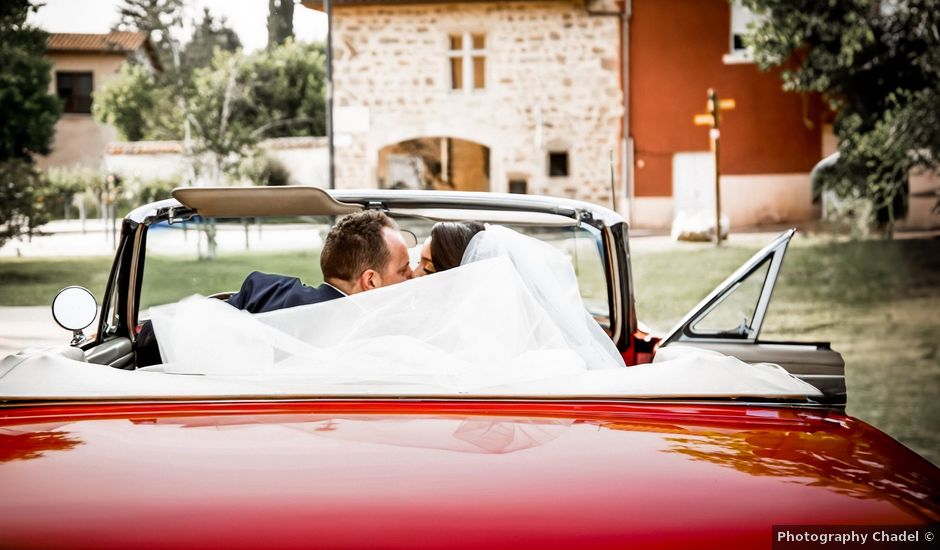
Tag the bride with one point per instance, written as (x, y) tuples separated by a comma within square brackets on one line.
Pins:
[(508, 319)]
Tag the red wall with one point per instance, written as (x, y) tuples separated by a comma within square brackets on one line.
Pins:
[(676, 49)]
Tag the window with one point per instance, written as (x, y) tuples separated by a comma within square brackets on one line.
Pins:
[(558, 164), (741, 18), (467, 61), (75, 91), (735, 313), (518, 186)]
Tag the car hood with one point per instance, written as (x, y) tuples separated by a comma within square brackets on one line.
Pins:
[(434, 474)]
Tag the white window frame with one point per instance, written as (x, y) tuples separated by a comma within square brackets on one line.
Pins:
[(466, 53), (741, 17)]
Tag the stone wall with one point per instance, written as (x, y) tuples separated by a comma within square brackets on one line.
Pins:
[(545, 61), (305, 158)]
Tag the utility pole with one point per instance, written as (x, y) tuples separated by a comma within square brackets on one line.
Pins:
[(328, 8), (714, 135), (711, 118)]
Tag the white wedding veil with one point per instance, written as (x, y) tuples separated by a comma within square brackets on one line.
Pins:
[(510, 313), (549, 279), (509, 321)]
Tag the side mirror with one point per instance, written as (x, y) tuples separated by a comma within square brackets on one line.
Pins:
[(74, 308), (411, 240)]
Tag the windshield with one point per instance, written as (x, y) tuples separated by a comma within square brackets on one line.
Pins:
[(213, 257)]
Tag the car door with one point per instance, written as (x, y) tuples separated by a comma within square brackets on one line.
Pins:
[(729, 320)]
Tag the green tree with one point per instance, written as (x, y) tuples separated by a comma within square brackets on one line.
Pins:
[(280, 22), (126, 101), (29, 112), (218, 104), (209, 34), (28, 120), (287, 90), (169, 115), (877, 63), (23, 193), (160, 19)]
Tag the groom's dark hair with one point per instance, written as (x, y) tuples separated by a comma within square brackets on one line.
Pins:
[(356, 243)]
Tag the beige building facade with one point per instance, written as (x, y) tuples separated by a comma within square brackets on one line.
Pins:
[(500, 96), (82, 63)]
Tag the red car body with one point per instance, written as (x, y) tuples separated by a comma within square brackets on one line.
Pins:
[(436, 474), (236, 471)]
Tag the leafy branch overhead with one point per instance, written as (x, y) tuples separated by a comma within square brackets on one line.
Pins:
[(877, 63)]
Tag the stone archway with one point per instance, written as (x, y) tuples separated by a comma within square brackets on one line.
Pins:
[(443, 163)]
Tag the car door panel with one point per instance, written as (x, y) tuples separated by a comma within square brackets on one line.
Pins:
[(746, 293), (814, 363), (116, 352)]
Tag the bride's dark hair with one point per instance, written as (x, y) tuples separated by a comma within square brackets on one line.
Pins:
[(449, 240)]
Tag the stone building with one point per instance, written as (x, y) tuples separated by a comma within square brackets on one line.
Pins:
[(568, 97), (522, 96), (82, 63)]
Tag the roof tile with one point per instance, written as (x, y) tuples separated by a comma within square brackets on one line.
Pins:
[(114, 41)]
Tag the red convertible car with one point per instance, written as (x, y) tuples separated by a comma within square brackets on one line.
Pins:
[(97, 453)]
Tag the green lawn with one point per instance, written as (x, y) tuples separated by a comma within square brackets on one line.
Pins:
[(877, 302), (167, 279), (34, 282)]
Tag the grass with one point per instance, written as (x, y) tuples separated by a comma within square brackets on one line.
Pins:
[(878, 303), (168, 279), (35, 282)]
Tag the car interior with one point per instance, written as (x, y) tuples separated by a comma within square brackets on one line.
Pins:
[(169, 256)]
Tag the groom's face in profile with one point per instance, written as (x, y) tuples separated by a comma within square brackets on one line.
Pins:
[(364, 251), (398, 268)]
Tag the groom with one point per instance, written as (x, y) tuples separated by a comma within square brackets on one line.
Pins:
[(362, 252)]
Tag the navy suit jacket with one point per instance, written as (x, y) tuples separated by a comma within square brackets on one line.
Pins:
[(260, 292), (265, 292)]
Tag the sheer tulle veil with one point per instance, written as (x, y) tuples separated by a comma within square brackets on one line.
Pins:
[(549, 279), (509, 320), (512, 311)]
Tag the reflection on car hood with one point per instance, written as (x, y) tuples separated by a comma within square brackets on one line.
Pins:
[(435, 474)]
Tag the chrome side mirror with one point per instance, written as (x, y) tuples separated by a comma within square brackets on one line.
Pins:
[(74, 308)]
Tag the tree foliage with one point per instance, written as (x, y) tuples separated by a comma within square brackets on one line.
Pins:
[(240, 100), (160, 19), (164, 96), (231, 104), (29, 113), (209, 34), (217, 112), (877, 62), (125, 100), (287, 87), (27, 123), (280, 22), (23, 193)]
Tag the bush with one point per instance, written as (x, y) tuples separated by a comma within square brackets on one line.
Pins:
[(84, 182), (154, 190), (261, 169)]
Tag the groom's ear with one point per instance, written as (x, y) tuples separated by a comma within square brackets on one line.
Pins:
[(370, 279)]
